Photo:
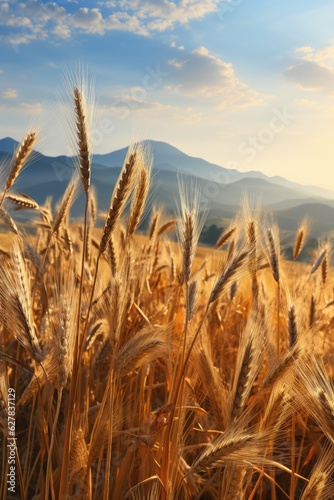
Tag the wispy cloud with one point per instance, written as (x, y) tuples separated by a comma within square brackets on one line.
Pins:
[(200, 73), (313, 69), (305, 103), (32, 109), (9, 94), (175, 46), (4, 7), (29, 109), (20, 38), (135, 100), (188, 115)]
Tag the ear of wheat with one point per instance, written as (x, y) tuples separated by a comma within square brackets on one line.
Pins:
[(300, 238), (83, 146), (21, 155), (119, 198)]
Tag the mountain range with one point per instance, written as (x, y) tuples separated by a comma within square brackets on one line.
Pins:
[(222, 189)]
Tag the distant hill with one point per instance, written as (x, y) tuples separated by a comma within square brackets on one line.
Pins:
[(222, 190), (322, 218), (167, 157), (8, 145), (286, 204), (262, 190)]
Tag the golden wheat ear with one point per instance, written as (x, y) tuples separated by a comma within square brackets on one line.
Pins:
[(225, 236), (214, 387), (143, 348), (145, 161), (249, 363), (273, 252), (63, 209), (79, 107), (8, 220), (301, 238), (16, 302), (189, 225), (313, 390), (150, 489), (233, 269), (318, 261), (22, 201), (165, 228), (84, 153), (321, 484), (119, 198), (233, 447), (20, 157)]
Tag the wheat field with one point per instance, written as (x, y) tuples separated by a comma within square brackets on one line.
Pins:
[(147, 369)]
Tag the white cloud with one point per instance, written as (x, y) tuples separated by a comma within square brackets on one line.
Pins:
[(4, 7), (124, 22), (135, 99), (19, 21), (308, 103), (89, 20), (140, 17), (313, 69), (176, 63), (304, 49), (170, 13), (133, 104), (32, 108), (9, 94), (311, 76), (200, 73), (173, 45), (160, 24), (111, 4), (20, 38), (62, 31), (188, 115)]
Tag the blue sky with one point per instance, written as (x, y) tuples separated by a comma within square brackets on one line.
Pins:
[(245, 84)]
